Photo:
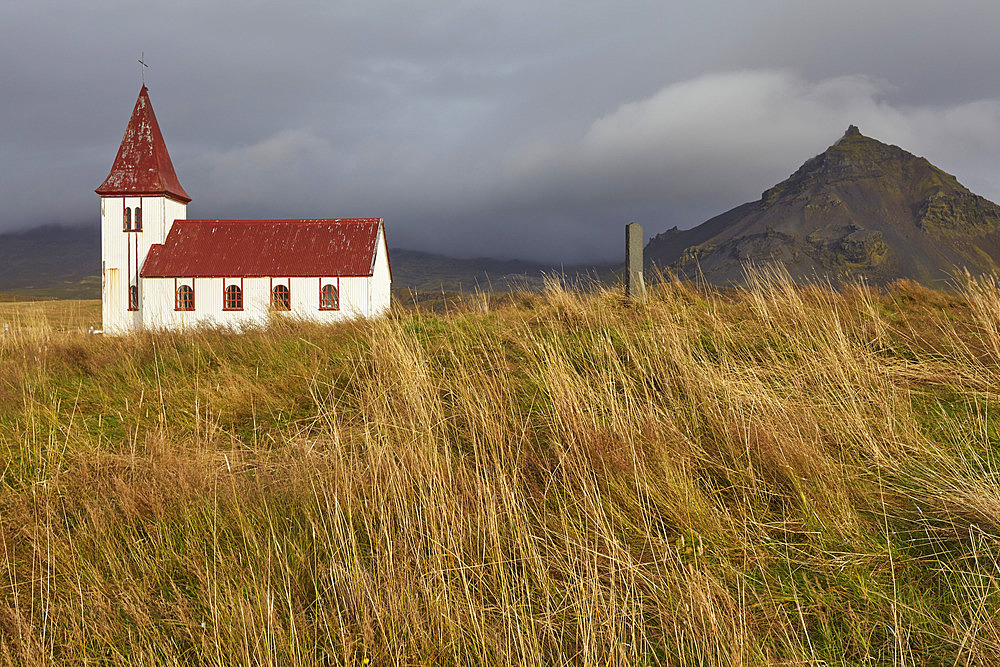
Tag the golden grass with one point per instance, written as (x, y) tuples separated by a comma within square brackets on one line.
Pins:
[(775, 475), (55, 315)]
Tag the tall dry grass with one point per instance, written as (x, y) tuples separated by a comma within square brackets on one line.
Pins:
[(773, 475)]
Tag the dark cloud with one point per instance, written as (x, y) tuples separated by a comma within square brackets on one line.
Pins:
[(528, 129)]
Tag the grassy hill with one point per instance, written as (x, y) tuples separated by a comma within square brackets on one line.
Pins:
[(51, 262), (774, 474), (428, 272)]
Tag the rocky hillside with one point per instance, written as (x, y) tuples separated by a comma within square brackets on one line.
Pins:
[(860, 209)]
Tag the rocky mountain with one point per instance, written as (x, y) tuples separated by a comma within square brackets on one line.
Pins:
[(862, 208)]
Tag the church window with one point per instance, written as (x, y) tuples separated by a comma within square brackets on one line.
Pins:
[(185, 298), (138, 219), (281, 298), (329, 299), (133, 297), (128, 218), (234, 298)]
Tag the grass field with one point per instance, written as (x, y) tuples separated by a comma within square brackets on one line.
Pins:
[(771, 475), (54, 316)]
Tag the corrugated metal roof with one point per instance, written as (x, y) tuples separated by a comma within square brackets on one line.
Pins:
[(262, 248), (143, 165)]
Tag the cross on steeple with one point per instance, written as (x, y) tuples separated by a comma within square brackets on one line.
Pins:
[(142, 70)]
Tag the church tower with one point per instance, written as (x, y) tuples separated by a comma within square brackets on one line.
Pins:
[(140, 199)]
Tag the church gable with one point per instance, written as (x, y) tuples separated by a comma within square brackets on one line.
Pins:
[(266, 248)]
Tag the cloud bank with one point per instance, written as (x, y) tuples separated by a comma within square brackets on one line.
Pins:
[(688, 152), (517, 129)]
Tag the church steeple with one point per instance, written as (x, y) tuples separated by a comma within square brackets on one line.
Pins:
[(140, 199), (142, 166)]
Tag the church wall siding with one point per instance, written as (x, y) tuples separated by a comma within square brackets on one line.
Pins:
[(381, 279), (158, 300), (125, 252), (173, 210)]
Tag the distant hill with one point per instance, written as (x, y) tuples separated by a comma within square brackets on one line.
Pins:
[(862, 208), (424, 272), (64, 262), (52, 262)]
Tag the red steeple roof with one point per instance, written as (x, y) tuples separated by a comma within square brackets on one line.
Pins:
[(142, 166)]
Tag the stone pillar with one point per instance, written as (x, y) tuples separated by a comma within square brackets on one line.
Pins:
[(635, 287)]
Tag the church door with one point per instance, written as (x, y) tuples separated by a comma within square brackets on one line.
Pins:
[(113, 292)]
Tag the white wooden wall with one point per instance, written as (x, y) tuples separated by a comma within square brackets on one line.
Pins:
[(158, 301), (122, 253), (381, 277)]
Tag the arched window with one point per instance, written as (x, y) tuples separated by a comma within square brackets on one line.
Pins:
[(133, 297), (138, 219), (328, 298), (281, 298), (185, 298), (233, 298), (128, 218)]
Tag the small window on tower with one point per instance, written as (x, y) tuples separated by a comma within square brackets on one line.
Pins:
[(138, 219), (133, 297), (128, 218), (328, 298), (281, 298), (185, 298), (234, 298)]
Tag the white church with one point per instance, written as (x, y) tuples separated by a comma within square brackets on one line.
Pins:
[(160, 270)]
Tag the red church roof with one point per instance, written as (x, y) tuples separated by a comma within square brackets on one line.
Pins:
[(142, 166), (262, 248)]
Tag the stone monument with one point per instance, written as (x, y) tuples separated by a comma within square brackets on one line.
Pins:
[(635, 287)]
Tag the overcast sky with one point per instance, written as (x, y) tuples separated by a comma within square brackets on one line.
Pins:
[(513, 128)]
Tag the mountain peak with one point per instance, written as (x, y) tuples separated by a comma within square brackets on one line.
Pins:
[(855, 158), (866, 148), (860, 208)]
